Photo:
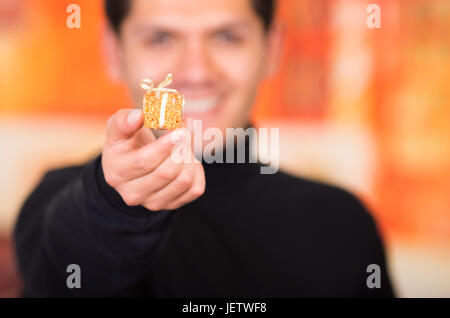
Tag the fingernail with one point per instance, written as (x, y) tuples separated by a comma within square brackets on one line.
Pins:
[(133, 117), (178, 136)]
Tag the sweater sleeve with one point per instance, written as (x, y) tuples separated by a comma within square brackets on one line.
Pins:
[(77, 218)]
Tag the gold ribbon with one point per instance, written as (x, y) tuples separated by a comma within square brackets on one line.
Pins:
[(147, 84)]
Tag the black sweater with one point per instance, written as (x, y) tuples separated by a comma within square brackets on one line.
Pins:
[(248, 235)]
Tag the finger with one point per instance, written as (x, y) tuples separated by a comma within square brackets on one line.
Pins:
[(182, 184), (145, 160), (143, 137), (141, 188), (196, 190), (123, 124)]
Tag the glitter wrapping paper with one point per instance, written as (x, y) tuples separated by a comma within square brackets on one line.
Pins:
[(163, 109)]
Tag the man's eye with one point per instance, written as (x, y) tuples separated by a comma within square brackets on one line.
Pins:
[(228, 37), (159, 39)]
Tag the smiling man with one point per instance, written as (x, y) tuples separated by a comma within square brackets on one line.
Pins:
[(217, 50), (139, 224)]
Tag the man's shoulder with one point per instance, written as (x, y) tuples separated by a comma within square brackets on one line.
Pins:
[(64, 173), (285, 184), (318, 197), (52, 181), (56, 178)]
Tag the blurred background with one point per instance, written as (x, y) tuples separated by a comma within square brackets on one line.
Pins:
[(364, 109)]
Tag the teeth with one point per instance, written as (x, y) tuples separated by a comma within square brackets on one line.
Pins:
[(200, 105)]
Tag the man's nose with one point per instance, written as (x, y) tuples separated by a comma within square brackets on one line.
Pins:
[(195, 65)]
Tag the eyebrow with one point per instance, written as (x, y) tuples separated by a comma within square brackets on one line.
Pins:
[(153, 28)]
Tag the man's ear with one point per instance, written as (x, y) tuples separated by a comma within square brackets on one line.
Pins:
[(112, 53), (275, 45)]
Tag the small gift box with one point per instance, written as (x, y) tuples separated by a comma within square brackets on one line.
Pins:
[(163, 107)]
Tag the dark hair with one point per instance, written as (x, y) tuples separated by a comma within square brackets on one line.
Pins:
[(116, 11)]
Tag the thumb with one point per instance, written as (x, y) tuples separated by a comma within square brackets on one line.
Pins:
[(123, 124)]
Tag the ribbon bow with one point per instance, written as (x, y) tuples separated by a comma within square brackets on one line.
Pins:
[(147, 84)]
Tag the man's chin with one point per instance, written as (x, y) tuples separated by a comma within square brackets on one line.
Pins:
[(203, 122)]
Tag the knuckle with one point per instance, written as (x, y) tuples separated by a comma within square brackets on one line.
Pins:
[(184, 182), (111, 179), (198, 190), (168, 173), (131, 199), (141, 163), (154, 205)]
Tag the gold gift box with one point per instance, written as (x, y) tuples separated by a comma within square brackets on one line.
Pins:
[(162, 107)]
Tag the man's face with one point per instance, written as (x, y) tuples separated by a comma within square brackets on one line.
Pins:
[(217, 51)]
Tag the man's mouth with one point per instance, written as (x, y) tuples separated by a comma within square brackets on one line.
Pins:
[(200, 105)]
